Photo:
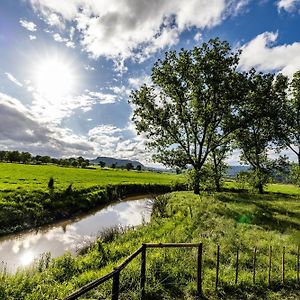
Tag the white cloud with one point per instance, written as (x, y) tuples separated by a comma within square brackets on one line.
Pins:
[(288, 5), (137, 82), (198, 36), (19, 129), (13, 79), (103, 98), (132, 28), (58, 38), (32, 37), (89, 68), (262, 54), (28, 25)]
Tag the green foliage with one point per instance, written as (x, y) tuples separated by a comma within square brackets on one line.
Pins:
[(296, 174), (232, 220), (76, 190), (188, 111), (288, 120), (257, 113)]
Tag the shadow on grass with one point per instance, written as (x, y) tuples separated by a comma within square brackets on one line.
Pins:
[(264, 213)]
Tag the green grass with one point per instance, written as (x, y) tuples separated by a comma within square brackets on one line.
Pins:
[(232, 220), (27, 202), (289, 189), (36, 177)]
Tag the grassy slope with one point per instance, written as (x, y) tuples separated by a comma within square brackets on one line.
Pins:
[(229, 219), (36, 177), (26, 201)]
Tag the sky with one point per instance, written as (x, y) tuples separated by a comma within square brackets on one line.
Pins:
[(67, 67)]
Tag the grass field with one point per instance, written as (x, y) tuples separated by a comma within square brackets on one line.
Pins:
[(27, 202), (232, 220), (36, 177)]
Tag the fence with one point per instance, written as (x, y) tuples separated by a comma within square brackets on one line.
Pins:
[(115, 274)]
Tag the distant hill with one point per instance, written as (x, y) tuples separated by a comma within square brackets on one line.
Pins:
[(118, 162), (232, 171)]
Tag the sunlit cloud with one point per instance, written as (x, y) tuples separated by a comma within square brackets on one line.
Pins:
[(28, 25), (113, 29), (263, 54), (13, 79)]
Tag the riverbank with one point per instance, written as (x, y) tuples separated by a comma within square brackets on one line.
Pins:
[(230, 220), (30, 209), (28, 199), (72, 235)]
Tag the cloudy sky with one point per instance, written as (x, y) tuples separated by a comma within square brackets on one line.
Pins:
[(67, 67)]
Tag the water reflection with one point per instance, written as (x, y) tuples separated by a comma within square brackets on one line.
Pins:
[(22, 249)]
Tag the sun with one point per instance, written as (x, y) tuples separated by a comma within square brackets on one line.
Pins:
[(54, 78)]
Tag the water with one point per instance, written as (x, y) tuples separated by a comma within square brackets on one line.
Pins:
[(22, 249)]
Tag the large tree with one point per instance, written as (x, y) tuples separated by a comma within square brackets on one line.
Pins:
[(289, 119), (189, 110), (258, 131)]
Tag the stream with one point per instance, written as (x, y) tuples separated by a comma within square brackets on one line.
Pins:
[(22, 249)]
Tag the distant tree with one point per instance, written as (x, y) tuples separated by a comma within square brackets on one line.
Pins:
[(80, 160), (3, 155), (178, 170), (54, 161), (74, 163), (64, 162), (113, 166), (258, 112), (45, 159), (37, 158), (84, 164), (138, 168), (13, 156), (189, 110), (129, 166), (217, 164), (101, 164), (25, 157)]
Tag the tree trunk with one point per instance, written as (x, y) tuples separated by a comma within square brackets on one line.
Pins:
[(260, 188), (196, 183), (217, 183)]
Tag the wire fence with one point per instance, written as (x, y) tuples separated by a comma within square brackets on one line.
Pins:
[(258, 264)]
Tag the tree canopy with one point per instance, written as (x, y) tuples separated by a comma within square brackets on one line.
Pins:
[(189, 110)]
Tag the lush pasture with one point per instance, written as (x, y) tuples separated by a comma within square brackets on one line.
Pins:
[(36, 177), (26, 201), (232, 220)]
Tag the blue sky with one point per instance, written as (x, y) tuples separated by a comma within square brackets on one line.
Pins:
[(67, 67)]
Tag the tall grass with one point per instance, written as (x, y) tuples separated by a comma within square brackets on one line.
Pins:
[(231, 220)]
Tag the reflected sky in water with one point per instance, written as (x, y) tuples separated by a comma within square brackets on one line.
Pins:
[(21, 249)]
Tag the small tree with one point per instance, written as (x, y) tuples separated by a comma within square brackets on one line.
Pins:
[(101, 164), (129, 166), (258, 112), (138, 168), (25, 157), (189, 110)]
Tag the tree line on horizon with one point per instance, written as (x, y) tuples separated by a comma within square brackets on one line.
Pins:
[(200, 107), (26, 157)]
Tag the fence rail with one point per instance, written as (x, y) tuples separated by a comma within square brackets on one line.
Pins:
[(115, 274)]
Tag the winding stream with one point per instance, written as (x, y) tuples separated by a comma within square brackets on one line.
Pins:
[(22, 249)]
